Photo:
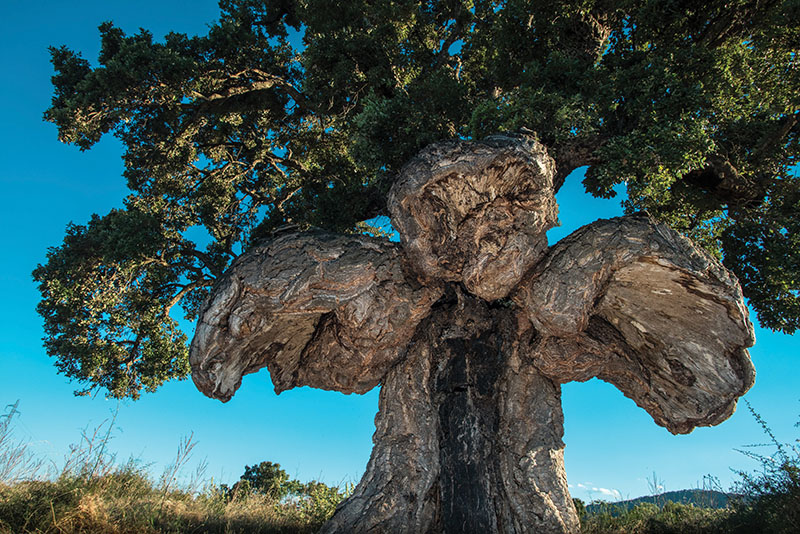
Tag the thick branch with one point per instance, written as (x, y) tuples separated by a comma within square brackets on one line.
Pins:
[(641, 307), (575, 153), (183, 292), (208, 261), (722, 181), (333, 312), (785, 125), (264, 81)]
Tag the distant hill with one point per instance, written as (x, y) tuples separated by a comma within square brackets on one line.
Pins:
[(697, 497)]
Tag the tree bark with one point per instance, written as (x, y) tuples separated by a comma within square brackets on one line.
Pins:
[(469, 429), (468, 434)]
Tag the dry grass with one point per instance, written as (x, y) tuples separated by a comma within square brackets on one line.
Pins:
[(16, 461), (93, 494), (104, 506)]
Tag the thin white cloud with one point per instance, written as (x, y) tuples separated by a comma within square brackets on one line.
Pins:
[(590, 488), (614, 494)]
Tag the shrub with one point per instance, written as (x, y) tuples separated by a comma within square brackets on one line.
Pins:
[(648, 518)]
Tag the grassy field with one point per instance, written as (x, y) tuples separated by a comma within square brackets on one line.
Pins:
[(125, 501), (93, 494)]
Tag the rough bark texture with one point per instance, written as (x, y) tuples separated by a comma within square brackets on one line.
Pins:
[(468, 434), (332, 312), (476, 213), (636, 304), (469, 430)]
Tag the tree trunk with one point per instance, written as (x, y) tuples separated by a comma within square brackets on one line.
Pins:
[(469, 430), (468, 434)]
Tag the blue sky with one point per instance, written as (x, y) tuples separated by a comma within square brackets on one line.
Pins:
[(613, 447)]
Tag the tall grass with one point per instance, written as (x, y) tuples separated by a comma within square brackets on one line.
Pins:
[(16, 461), (94, 494)]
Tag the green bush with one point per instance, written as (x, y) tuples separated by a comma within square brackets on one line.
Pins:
[(647, 518)]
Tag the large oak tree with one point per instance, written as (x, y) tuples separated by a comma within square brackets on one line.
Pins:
[(298, 115), (302, 112)]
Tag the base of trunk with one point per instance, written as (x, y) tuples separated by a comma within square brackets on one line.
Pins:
[(468, 435)]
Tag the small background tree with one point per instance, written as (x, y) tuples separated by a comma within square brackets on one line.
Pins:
[(269, 479)]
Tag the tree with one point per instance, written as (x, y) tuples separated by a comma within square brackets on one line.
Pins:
[(244, 132), (268, 479)]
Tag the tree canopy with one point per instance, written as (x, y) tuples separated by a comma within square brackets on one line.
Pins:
[(301, 113), (269, 479)]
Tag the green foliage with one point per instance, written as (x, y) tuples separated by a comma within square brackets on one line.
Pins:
[(580, 508), (648, 518), (765, 254), (312, 501), (317, 501), (301, 112), (269, 479), (107, 292)]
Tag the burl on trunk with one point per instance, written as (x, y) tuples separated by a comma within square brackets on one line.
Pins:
[(471, 324)]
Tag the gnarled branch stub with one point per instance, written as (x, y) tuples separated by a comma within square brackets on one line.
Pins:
[(476, 213), (634, 303), (626, 300), (321, 310)]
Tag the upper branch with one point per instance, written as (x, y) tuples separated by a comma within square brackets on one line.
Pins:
[(574, 153)]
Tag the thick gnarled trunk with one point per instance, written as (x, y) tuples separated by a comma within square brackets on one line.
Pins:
[(469, 430), (468, 434)]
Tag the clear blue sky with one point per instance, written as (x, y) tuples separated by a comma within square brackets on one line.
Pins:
[(612, 445)]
